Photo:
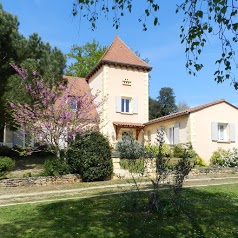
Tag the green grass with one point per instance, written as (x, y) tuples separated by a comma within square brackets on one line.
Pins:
[(208, 212)]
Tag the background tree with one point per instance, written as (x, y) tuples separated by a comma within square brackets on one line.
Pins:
[(201, 19), (182, 106), (154, 109), (164, 105), (50, 120), (31, 53), (166, 100), (85, 57)]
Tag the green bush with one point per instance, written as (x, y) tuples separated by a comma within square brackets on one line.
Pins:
[(130, 149), (55, 167), (91, 157), (133, 165), (6, 151), (184, 150), (226, 158), (217, 157), (6, 164), (153, 150), (200, 161)]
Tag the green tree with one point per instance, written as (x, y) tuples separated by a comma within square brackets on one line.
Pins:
[(182, 106), (32, 54), (154, 109), (85, 57), (202, 20), (166, 100)]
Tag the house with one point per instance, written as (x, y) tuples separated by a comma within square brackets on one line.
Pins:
[(122, 77), (206, 127)]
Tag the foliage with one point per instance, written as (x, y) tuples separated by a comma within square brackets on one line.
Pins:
[(6, 164), (226, 158), (130, 149), (32, 54), (133, 165), (90, 156), (54, 167), (181, 106), (6, 151), (50, 120), (200, 161), (86, 57), (153, 150), (203, 20), (154, 109), (180, 149), (217, 157), (166, 100), (164, 105), (164, 171)]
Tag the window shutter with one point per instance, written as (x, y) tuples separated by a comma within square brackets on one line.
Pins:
[(232, 132), (135, 105), (176, 133), (118, 104), (214, 134)]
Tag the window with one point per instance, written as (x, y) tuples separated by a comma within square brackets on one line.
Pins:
[(171, 135), (73, 104), (223, 132), (125, 105), (149, 135)]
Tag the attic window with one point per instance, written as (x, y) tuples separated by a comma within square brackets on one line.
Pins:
[(126, 82)]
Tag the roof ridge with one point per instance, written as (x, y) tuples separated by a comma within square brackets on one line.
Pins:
[(189, 110)]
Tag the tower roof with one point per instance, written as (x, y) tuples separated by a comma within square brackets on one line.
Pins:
[(120, 54)]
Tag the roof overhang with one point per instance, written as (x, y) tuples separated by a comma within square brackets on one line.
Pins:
[(137, 126)]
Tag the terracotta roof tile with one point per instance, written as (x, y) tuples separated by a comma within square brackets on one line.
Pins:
[(119, 53), (128, 124), (187, 111)]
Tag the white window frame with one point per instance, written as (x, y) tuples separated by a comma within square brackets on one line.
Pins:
[(171, 135), (124, 105), (222, 132)]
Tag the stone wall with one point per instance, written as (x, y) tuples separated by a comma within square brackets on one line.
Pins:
[(40, 181)]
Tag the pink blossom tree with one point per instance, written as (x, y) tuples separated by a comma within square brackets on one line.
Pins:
[(55, 118)]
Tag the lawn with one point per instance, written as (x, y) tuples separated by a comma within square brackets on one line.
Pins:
[(208, 212)]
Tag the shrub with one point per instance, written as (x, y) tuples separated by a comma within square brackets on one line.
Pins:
[(200, 161), (130, 149), (133, 165), (55, 167), (6, 164), (153, 150), (184, 150), (90, 156), (217, 157), (6, 151), (226, 158)]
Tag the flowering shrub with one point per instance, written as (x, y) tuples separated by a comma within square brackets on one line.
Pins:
[(226, 158)]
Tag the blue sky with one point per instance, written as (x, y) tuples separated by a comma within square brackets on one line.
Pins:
[(53, 21)]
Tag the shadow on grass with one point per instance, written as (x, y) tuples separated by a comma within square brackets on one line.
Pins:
[(208, 212)]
